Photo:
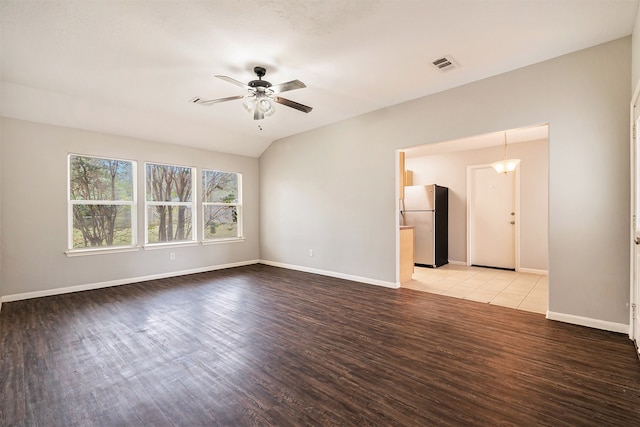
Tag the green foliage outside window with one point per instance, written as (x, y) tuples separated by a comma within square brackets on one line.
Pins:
[(101, 194), (102, 203), (221, 204), (169, 207)]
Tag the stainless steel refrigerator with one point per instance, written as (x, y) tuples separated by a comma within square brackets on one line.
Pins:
[(426, 208)]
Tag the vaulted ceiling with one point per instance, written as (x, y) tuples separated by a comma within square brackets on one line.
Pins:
[(131, 67)]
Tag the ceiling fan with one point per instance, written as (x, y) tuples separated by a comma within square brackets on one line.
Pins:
[(262, 95)]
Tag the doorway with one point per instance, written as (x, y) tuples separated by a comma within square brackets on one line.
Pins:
[(492, 212), (446, 164)]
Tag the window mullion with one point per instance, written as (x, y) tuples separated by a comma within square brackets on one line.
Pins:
[(103, 202)]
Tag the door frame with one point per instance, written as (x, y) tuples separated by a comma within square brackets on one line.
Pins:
[(470, 170), (634, 253)]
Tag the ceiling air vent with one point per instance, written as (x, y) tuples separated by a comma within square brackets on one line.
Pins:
[(445, 63)]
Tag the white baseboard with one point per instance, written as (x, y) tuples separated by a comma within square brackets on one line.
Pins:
[(90, 286), (589, 322), (457, 262), (561, 317), (332, 274), (534, 271)]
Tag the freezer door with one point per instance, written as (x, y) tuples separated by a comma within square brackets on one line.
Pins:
[(419, 198), (424, 235)]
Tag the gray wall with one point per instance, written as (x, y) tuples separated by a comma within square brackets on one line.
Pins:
[(34, 209), (333, 189), (450, 170)]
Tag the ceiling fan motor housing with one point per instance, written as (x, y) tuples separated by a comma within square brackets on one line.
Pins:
[(260, 72)]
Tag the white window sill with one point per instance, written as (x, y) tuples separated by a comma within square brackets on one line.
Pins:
[(100, 251), (148, 247), (221, 241), (165, 245)]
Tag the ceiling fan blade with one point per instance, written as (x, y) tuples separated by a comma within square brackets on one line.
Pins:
[(198, 100), (292, 104), (283, 87), (233, 81)]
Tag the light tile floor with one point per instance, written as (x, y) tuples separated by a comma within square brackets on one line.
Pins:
[(522, 291)]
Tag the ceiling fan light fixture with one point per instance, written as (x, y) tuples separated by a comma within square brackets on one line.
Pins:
[(249, 104), (270, 111), (265, 105)]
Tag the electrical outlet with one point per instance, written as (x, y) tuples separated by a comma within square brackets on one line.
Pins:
[(310, 252), (172, 256)]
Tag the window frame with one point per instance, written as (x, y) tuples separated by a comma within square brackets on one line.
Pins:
[(237, 205), (192, 204), (133, 204)]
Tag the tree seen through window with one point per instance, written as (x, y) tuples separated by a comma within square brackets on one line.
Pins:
[(221, 204), (101, 195), (169, 203)]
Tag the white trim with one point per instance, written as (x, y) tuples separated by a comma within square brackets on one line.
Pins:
[(518, 216), (589, 322), (149, 247), (561, 317), (337, 275), (457, 262), (534, 271), (468, 214), (161, 203), (166, 245), (634, 286), (99, 285), (221, 241), (103, 202), (399, 205), (100, 251)]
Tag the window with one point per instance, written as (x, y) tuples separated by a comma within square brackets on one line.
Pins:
[(221, 205), (169, 204), (102, 202)]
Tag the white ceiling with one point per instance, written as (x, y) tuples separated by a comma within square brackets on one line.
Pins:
[(130, 67)]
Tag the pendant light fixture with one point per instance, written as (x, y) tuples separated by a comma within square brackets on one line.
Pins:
[(506, 165)]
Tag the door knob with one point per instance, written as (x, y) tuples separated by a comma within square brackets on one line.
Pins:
[(637, 241), (513, 222)]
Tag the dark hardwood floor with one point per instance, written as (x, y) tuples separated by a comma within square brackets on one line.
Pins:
[(265, 346)]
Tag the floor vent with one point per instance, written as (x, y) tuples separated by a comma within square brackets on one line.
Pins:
[(445, 63)]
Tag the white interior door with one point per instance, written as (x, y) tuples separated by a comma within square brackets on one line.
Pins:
[(634, 330), (491, 218)]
